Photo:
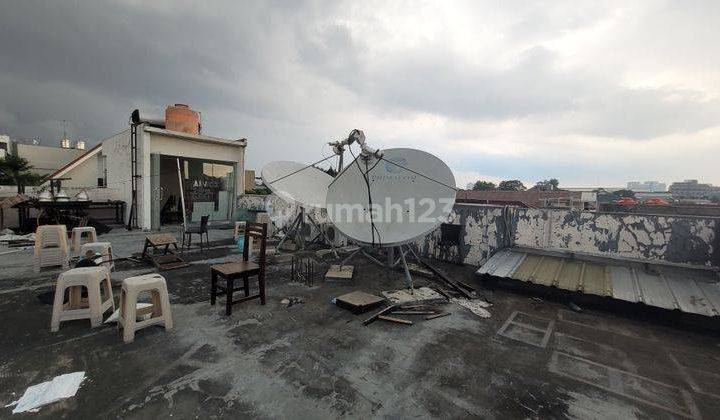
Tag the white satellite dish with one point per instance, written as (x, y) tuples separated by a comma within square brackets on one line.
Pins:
[(297, 183), (411, 190)]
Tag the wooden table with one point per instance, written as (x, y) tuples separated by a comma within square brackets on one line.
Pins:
[(169, 258)]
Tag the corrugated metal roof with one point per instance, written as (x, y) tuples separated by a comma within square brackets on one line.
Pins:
[(686, 289)]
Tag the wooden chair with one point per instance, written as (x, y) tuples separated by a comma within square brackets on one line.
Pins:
[(200, 229), (241, 270)]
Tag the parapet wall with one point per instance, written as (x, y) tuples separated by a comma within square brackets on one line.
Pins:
[(676, 239), (692, 240)]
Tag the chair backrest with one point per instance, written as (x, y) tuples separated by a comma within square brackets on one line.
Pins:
[(204, 223), (257, 231)]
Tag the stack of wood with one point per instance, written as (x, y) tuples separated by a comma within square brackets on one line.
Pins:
[(391, 312)]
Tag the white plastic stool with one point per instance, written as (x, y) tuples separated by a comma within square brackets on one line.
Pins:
[(76, 237), (92, 278), (51, 247), (160, 309), (102, 248)]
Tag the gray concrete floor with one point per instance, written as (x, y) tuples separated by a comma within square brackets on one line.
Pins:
[(532, 358)]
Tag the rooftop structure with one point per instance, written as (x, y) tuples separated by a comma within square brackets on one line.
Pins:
[(524, 357), (691, 188)]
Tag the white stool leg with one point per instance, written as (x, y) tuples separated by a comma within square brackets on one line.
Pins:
[(57, 307), (94, 303), (107, 285), (130, 316), (165, 304)]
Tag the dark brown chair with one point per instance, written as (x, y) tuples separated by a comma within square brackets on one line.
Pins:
[(241, 270)]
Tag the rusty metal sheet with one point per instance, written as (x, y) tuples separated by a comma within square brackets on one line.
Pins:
[(655, 290), (690, 290), (686, 288), (570, 274), (548, 270), (502, 264), (624, 284), (595, 280), (526, 270)]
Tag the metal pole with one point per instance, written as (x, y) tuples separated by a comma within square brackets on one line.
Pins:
[(407, 271), (182, 193)]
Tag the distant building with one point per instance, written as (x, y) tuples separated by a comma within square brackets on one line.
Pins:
[(691, 188), (44, 159), (529, 198), (647, 186)]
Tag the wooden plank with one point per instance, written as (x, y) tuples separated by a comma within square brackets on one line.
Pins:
[(414, 312), (375, 317), (393, 319), (440, 315)]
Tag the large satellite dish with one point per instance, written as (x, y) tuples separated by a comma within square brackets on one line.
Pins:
[(297, 183), (411, 190)]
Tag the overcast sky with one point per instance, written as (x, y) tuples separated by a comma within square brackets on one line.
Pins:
[(591, 93)]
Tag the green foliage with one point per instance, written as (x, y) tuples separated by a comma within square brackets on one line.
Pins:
[(511, 185), (259, 191), (551, 184), (15, 170), (483, 185)]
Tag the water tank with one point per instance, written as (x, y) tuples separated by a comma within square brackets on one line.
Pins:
[(180, 117)]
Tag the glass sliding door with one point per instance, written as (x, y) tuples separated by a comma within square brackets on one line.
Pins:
[(209, 188)]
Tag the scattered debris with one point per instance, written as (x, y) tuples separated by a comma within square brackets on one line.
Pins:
[(323, 252), (292, 300), (59, 388), (393, 319), (421, 294), (386, 314), (475, 306), (358, 302), (343, 273), (440, 315), (419, 270), (575, 307), (457, 286), (302, 269), (375, 317)]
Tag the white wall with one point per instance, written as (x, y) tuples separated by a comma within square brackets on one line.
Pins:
[(117, 152)]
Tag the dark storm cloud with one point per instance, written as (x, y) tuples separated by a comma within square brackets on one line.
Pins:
[(288, 75)]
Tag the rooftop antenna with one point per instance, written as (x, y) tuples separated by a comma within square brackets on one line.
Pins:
[(302, 185), (413, 190)]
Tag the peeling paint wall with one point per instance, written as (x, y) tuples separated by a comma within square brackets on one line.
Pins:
[(282, 214), (686, 240), (486, 229)]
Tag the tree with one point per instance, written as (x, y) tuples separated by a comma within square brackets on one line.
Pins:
[(511, 185), (551, 184), (15, 170), (483, 185)]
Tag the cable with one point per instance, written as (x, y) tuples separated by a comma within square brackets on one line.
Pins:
[(418, 173), (301, 169), (373, 228)]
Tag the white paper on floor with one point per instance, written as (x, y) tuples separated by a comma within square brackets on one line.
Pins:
[(115, 315), (59, 388), (476, 306)]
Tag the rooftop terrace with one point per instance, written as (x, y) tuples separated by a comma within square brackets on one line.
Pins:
[(533, 357)]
